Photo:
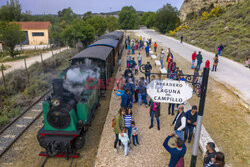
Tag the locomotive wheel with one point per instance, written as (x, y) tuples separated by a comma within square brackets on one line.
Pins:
[(79, 142), (41, 140)]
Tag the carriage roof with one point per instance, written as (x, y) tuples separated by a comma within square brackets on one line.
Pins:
[(113, 35), (105, 42), (96, 52)]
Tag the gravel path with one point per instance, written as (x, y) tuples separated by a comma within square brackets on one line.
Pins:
[(150, 152), (232, 74), (19, 64)]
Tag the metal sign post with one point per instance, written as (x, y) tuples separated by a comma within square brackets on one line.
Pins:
[(200, 116)]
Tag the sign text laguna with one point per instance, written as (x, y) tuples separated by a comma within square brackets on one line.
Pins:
[(169, 91)]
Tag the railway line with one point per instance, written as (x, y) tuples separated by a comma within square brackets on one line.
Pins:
[(12, 131)]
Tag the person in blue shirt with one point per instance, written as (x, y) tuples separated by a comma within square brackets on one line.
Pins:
[(131, 87), (191, 118), (147, 50), (125, 99), (176, 153)]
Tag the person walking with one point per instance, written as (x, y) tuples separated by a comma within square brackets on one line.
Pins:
[(125, 101), (147, 50), (127, 73), (134, 134), (181, 38), (139, 59), (191, 117), (199, 60), (128, 59), (194, 55), (133, 48), (118, 125), (171, 105), (123, 136), (180, 122), (155, 47), (142, 90), (177, 154), (220, 49), (162, 58), (154, 111), (148, 69), (216, 61), (131, 87), (128, 123), (218, 161), (210, 153)]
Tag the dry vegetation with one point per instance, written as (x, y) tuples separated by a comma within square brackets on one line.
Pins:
[(20, 93), (230, 28)]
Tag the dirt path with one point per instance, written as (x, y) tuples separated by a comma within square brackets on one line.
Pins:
[(19, 64), (232, 74)]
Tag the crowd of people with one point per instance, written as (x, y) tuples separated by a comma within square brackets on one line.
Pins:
[(133, 89)]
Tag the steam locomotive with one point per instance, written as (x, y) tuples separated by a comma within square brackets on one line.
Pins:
[(69, 109)]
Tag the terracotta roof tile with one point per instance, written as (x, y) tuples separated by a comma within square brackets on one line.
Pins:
[(33, 25)]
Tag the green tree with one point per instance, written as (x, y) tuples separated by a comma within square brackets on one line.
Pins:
[(67, 15), (11, 35), (87, 15), (79, 30), (112, 23), (128, 18), (148, 19), (167, 18), (11, 11), (99, 23)]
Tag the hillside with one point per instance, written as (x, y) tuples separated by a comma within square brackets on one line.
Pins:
[(231, 27), (195, 6)]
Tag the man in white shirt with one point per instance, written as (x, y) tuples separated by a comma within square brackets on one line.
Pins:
[(180, 122), (139, 59)]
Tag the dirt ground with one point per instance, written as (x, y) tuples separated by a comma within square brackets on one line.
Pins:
[(150, 152), (225, 118)]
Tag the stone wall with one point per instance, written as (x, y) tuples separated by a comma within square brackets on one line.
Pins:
[(190, 6)]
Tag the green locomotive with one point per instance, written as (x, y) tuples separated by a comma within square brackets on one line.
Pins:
[(67, 114)]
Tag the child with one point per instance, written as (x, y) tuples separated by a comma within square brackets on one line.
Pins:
[(123, 136), (136, 69), (134, 133)]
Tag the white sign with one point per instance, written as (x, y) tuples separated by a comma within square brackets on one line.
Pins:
[(169, 91)]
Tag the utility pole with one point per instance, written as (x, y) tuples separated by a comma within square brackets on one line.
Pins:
[(200, 116)]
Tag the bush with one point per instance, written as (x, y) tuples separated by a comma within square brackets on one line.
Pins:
[(216, 11), (205, 15)]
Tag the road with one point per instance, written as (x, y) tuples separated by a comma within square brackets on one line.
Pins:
[(232, 74), (19, 64)]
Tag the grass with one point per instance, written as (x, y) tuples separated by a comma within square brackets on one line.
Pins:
[(5, 57), (231, 29), (21, 93)]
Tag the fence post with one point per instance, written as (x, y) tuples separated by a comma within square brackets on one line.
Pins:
[(42, 61), (4, 81), (27, 72)]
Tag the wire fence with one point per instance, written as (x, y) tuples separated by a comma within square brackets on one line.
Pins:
[(25, 63)]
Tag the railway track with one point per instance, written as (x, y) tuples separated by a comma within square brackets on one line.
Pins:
[(12, 131)]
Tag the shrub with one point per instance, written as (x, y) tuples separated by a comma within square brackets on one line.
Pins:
[(216, 11), (205, 15)]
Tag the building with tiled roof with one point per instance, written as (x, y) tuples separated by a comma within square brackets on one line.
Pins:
[(37, 33)]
